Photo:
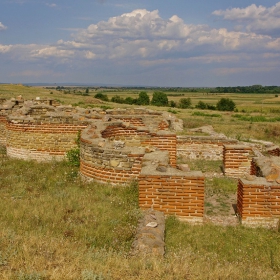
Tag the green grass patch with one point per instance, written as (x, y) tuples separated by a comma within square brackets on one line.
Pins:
[(255, 118), (203, 165), (212, 248), (220, 185), (201, 114)]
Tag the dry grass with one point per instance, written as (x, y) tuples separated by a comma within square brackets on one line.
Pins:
[(53, 226)]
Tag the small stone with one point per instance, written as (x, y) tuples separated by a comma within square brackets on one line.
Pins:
[(101, 144), (152, 224), (184, 167), (249, 177), (114, 163), (161, 168), (118, 144)]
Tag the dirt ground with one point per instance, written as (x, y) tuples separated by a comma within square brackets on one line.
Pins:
[(220, 208)]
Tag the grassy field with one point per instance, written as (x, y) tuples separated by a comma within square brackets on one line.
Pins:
[(53, 226)]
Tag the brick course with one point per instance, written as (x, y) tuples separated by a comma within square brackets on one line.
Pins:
[(258, 202), (237, 160), (40, 141), (182, 196), (202, 147)]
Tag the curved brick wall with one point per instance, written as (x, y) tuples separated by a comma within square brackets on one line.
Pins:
[(3, 122), (108, 165), (101, 161), (41, 141), (163, 140)]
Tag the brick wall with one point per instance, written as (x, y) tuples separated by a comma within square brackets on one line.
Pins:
[(237, 160), (258, 202), (164, 142), (180, 195), (3, 122), (202, 147), (142, 137), (41, 141), (274, 151), (108, 165)]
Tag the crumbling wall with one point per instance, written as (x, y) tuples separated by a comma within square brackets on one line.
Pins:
[(170, 190), (41, 141), (106, 161), (3, 122), (202, 147), (274, 151), (113, 151)]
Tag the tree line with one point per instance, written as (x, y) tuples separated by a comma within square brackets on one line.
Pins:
[(161, 99)]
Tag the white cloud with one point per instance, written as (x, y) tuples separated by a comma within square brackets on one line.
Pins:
[(2, 26), (5, 48), (258, 19), (51, 5), (145, 40), (52, 51)]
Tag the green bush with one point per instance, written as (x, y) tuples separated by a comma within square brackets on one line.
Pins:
[(201, 105), (225, 104), (101, 96), (117, 99), (143, 98), (130, 100), (185, 103), (159, 99)]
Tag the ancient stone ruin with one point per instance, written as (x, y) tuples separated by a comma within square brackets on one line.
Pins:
[(121, 145)]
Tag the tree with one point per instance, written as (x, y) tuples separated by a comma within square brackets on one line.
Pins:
[(159, 99), (225, 104), (87, 90), (143, 98), (185, 103)]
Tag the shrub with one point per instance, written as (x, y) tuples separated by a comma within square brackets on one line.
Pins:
[(185, 103), (101, 96), (130, 100), (159, 99), (172, 104), (143, 98), (225, 104), (201, 105), (117, 99)]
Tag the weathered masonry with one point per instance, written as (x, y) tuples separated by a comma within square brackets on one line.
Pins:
[(40, 132), (237, 160), (258, 202), (121, 145)]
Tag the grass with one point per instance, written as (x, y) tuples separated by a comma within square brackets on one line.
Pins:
[(53, 226), (225, 252), (203, 165), (202, 114), (255, 118)]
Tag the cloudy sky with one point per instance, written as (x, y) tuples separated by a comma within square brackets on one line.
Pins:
[(148, 42)]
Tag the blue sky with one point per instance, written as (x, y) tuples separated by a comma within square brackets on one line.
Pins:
[(150, 43)]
